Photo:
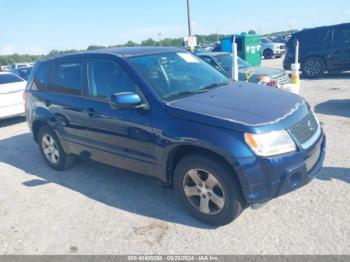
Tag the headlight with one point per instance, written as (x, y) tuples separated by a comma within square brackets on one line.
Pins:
[(270, 144)]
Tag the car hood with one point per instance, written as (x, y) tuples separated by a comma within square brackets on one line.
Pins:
[(242, 106), (12, 87), (263, 71)]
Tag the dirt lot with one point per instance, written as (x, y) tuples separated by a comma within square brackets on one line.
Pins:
[(95, 209)]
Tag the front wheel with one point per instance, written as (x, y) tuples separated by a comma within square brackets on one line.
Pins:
[(208, 190), (268, 54)]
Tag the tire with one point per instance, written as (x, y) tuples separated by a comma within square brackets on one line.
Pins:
[(313, 67), (52, 150), (268, 54), (227, 193)]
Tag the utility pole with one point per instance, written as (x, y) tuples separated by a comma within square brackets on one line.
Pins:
[(189, 18), (160, 39)]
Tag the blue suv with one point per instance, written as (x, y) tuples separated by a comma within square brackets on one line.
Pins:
[(165, 113)]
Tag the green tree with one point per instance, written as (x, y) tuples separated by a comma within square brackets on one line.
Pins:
[(149, 42), (131, 44), (94, 47), (252, 32)]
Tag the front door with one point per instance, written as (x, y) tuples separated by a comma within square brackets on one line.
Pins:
[(118, 137)]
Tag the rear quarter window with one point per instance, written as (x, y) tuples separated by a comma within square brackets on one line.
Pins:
[(41, 78)]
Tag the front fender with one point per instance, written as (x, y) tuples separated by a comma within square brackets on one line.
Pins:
[(228, 144)]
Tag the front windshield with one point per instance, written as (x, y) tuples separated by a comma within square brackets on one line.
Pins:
[(265, 40), (174, 75), (226, 62)]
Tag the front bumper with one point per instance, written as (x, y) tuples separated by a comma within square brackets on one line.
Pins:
[(263, 179), (279, 52)]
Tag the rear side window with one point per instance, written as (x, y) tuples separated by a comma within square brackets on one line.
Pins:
[(342, 35), (313, 37), (67, 78), (41, 78), (9, 78)]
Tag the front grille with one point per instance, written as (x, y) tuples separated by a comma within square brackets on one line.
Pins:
[(283, 79), (305, 129), (311, 161)]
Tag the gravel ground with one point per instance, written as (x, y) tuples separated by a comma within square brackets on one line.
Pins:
[(95, 209)]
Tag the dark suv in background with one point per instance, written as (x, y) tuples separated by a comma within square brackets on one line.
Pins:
[(321, 49), (166, 113)]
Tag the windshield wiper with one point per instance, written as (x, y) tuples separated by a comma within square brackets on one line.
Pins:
[(184, 93), (193, 92), (214, 85)]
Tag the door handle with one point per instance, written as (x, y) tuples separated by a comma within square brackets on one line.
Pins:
[(91, 112)]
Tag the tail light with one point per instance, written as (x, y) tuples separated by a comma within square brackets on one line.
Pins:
[(25, 97), (267, 81)]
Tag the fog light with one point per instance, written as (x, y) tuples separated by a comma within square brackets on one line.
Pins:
[(294, 180)]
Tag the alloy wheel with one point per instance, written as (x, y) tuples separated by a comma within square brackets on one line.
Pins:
[(313, 68), (204, 191), (50, 149)]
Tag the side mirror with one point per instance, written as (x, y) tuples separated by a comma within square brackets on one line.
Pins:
[(125, 100)]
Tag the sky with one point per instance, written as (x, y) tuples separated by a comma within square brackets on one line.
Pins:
[(38, 26)]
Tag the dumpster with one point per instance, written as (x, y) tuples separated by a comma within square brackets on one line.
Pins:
[(248, 46)]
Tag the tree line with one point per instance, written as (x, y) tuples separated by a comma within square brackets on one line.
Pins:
[(176, 42)]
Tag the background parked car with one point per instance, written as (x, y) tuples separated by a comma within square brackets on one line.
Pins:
[(15, 66), (23, 72), (321, 49), (11, 95), (270, 49), (4, 68), (255, 74)]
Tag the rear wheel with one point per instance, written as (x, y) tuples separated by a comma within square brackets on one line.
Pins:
[(313, 67), (268, 54), (207, 190), (51, 149)]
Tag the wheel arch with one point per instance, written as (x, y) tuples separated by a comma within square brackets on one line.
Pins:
[(42, 117), (181, 151), (317, 56), (37, 124), (268, 49)]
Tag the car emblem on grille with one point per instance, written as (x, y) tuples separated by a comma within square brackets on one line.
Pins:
[(310, 126)]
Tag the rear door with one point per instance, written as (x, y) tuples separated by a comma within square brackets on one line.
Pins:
[(63, 99)]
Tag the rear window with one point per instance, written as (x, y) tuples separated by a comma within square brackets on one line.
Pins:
[(67, 78), (41, 78), (9, 78)]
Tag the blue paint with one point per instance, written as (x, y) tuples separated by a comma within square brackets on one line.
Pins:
[(144, 135)]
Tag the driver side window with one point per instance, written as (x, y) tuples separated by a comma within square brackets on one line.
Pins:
[(106, 78)]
